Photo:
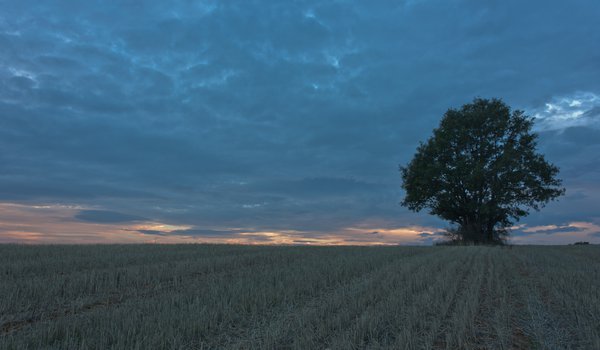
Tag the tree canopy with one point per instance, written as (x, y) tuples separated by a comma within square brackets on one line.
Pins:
[(480, 171)]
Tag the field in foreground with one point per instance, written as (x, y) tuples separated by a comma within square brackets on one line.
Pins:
[(217, 296)]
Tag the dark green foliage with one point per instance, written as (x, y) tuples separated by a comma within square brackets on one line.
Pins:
[(480, 171)]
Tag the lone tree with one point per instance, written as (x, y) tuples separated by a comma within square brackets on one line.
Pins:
[(480, 171)]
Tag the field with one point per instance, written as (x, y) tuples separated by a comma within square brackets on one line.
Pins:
[(219, 296)]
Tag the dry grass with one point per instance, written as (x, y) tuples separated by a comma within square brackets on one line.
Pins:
[(244, 297)]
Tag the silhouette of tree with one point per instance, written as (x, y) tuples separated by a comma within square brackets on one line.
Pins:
[(480, 171)]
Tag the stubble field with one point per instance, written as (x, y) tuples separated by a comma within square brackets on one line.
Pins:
[(258, 297)]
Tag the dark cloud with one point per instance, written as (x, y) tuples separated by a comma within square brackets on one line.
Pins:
[(266, 116), (206, 232), (435, 234), (106, 217), (549, 231), (153, 232), (315, 187)]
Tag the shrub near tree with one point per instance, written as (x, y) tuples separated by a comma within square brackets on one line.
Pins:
[(480, 171)]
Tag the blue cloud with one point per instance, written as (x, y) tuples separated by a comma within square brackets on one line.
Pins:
[(106, 217), (262, 115)]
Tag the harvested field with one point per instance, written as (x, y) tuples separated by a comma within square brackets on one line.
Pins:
[(261, 297)]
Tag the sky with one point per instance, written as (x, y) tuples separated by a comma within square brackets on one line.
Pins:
[(265, 122)]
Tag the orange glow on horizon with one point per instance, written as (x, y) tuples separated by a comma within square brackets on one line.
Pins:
[(56, 224)]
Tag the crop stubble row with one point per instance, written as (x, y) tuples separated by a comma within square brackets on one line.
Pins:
[(202, 296)]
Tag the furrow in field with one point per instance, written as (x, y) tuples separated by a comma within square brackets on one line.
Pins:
[(570, 288), (294, 298), (519, 339), (540, 324), (249, 334), (24, 299), (451, 299), (118, 293), (215, 279), (462, 327), (388, 320), (495, 323), (482, 318), (315, 322), (43, 267)]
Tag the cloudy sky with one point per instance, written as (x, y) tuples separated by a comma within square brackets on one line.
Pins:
[(276, 122)]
